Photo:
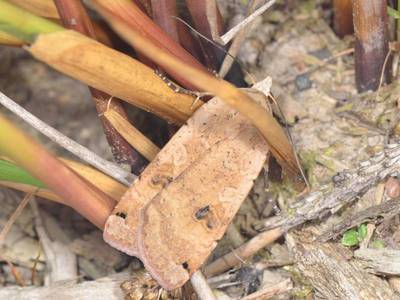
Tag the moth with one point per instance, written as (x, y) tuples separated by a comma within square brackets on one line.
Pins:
[(174, 214)]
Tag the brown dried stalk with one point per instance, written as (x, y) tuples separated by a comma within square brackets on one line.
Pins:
[(132, 135), (343, 17), (372, 45), (74, 16)]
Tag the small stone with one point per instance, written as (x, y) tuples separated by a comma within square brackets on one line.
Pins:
[(303, 82), (392, 187), (323, 53)]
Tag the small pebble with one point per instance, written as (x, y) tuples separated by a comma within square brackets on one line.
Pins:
[(392, 187), (323, 53), (303, 82)]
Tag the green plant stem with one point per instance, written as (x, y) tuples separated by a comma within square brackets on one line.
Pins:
[(13, 173), (22, 24), (75, 191)]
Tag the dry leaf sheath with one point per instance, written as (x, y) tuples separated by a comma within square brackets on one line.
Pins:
[(112, 72)]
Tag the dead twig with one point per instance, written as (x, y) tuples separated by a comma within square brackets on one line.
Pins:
[(386, 210), (347, 187), (333, 276), (104, 288), (237, 42), (380, 261), (246, 250), (201, 286), (227, 37), (14, 216)]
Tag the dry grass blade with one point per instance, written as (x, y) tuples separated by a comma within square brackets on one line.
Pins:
[(109, 186), (44, 8), (14, 216), (30, 189), (237, 42), (268, 126), (134, 137), (9, 40), (163, 11)]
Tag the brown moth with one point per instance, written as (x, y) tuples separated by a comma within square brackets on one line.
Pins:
[(193, 187), (181, 225)]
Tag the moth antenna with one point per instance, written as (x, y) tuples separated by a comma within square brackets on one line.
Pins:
[(216, 45), (282, 115)]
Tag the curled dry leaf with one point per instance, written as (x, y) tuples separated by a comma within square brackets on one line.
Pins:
[(112, 72), (174, 214)]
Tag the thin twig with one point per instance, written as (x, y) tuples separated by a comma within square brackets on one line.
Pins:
[(227, 37), (201, 286), (246, 250), (237, 42), (13, 217), (82, 152)]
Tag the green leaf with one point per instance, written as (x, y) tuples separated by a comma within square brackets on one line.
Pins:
[(350, 238), (13, 173), (393, 13), (362, 231)]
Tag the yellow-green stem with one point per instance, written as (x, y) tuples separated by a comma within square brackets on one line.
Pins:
[(22, 24)]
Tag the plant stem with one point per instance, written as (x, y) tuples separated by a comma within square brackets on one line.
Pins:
[(74, 16), (77, 192), (22, 24)]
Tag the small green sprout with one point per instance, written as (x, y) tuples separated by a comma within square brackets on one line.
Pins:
[(353, 237)]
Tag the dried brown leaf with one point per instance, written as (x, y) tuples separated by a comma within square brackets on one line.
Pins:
[(112, 72)]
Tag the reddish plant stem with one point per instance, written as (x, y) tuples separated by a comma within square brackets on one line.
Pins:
[(198, 11), (372, 45), (342, 17), (74, 16), (163, 11), (75, 191)]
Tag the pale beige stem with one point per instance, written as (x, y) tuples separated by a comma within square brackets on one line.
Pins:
[(132, 135), (246, 250)]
